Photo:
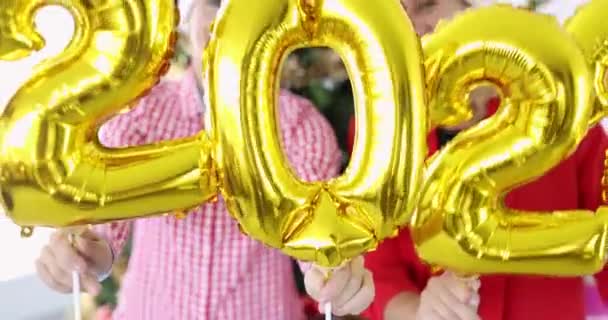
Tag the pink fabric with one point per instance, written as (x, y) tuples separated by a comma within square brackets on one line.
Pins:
[(202, 267)]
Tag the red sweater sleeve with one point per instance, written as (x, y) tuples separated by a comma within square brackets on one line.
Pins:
[(591, 155), (395, 268), (395, 265), (350, 137)]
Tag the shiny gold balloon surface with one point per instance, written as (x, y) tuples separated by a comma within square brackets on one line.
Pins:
[(589, 26), (53, 170), (326, 222), (546, 89)]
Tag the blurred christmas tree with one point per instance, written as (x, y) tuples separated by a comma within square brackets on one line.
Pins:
[(535, 3)]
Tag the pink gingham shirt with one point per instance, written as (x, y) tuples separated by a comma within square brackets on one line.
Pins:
[(202, 267)]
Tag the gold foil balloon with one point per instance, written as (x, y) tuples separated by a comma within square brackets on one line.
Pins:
[(325, 222), (54, 172), (17, 37), (589, 26), (546, 89)]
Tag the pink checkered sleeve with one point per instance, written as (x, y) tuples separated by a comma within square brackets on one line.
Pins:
[(119, 132), (312, 146), (202, 266)]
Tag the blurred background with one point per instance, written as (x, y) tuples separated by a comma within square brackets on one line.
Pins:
[(314, 73)]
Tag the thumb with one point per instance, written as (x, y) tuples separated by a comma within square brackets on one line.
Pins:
[(89, 235), (81, 238), (472, 281), (336, 281), (93, 247)]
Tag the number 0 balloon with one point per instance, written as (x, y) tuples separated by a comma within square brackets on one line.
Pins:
[(327, 222)]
